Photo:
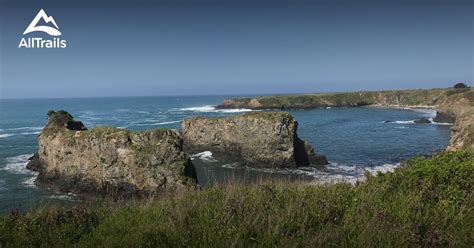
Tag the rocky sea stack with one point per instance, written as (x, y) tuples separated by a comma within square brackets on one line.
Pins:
[(110, 161), (257, 139)]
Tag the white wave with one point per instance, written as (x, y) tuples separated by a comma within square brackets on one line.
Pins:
[(212, 109), (206, 156), (332, 173), (403, 122), (382, 168), (413, 122), (21, 128), (67, 197), (440, 123), (157, 123), (232, 110), (17, 165), (232, 165), (401, 127), (30, 182), (205, 108), (5, 135), (29, 133)]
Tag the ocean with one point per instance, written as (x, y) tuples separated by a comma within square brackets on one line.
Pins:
[(354, 140)]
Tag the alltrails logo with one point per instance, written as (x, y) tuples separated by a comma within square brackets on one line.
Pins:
[(38, 42)]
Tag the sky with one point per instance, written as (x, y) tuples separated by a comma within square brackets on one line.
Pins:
[(193, 47)]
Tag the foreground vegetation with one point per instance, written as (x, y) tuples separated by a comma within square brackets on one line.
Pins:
[(427, 202)]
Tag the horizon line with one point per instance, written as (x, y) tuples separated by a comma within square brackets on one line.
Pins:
[(204, 95)]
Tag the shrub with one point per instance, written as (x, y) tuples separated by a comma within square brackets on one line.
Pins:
[(460, 86), (426, 202)]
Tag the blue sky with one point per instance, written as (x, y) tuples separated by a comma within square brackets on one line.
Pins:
[(116, 48)]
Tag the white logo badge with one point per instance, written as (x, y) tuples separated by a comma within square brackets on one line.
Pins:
[(38, 42), (47, 19)]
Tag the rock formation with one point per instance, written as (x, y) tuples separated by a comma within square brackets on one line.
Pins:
[(453, 106), (110, 161), (258, 139), (459, 108), (422, 121), (389, 98)]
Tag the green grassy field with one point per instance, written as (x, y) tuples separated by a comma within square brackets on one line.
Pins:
[(426, 202)]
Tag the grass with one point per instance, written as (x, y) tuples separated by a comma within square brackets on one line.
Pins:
[(426, 202)]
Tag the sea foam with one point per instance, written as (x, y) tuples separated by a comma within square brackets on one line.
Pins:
[(212, 109), (17, 165), (205, 156)]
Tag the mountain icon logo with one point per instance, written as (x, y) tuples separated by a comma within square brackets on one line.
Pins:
[(47, 29)]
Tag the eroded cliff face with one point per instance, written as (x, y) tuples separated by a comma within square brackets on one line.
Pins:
[(459, 108), (110, 161), (258, 139)]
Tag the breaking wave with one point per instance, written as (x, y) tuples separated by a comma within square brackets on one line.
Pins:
[(413, 122), (212, 109), (332, 173), (21, 128), (205, 156), (5, 135), (17, 165), (30, 182), (65, 197)]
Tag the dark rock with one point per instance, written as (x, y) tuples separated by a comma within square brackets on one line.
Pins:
[(34, 163), (258, 139), (444, 117), (315, 160), (75, 126), (422, 121)]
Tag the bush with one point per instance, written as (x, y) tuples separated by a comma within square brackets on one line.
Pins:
[(426, 202), (460, 86)]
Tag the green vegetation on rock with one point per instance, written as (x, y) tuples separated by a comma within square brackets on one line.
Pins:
[(401, 98), (426, 202)]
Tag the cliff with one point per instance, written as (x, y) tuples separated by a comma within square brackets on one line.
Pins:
[(460, 109), (453, 106), (110, 161), (390, 98), (259, 139)]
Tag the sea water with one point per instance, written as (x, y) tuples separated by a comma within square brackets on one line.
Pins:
[(354, 140)]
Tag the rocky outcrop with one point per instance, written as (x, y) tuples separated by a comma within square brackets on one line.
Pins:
[(459, 108), (462, 133), (422, 121), (453, 106), (420, 98), (258, 139), (110, 161)]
